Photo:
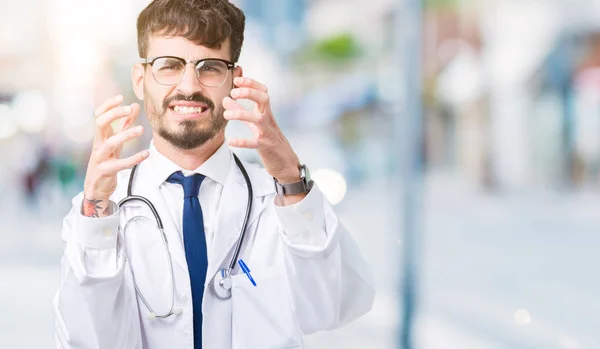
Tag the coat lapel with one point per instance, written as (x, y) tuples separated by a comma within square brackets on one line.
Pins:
[(232, 210)]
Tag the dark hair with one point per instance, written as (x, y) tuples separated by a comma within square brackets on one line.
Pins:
[(204, 22)]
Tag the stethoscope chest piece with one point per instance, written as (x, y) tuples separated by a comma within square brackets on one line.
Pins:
[(222, 284)]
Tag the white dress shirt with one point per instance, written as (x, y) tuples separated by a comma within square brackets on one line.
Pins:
[(215, 169)]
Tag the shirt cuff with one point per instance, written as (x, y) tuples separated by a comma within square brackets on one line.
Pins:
[(304, 221), (98, 233)]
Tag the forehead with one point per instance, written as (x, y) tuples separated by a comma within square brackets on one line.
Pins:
[(181, 47)]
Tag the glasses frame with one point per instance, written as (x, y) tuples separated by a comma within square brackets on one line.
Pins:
[(150, 62)]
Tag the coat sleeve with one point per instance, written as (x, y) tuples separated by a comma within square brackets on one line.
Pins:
[(330, 282), (95, 306)]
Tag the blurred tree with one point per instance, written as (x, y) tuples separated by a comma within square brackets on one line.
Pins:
[(339, 47), (336, 49), (436, 4)]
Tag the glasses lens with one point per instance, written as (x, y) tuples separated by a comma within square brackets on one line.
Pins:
[(168, 71), (212, 73)]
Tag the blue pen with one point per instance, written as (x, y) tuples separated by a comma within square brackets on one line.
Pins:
[(246, 271)]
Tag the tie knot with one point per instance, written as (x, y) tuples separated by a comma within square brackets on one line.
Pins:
[(191, 184)]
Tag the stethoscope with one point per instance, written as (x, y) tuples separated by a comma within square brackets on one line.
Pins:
[(221, 283)]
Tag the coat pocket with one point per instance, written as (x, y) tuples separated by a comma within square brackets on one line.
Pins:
[(263, 315)]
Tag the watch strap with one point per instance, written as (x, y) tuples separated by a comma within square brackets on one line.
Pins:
[(300, 187)]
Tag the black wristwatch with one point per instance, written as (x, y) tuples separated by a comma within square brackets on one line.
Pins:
[(301, 187)]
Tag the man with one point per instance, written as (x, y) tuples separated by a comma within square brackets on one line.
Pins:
[(296, 270)]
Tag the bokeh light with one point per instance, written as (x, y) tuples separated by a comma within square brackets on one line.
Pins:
[(332, 184), (8, 123), (31, 111), (522, 317)]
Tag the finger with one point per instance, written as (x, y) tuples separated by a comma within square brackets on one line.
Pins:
[(116, 165), (243, 115), (230, 104), (243, 143), (254, 95), (111, 115), (107, 105), (115, 142), (127, 122), (250, 83)]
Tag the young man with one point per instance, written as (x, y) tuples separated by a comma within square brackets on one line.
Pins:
[(196, 283)]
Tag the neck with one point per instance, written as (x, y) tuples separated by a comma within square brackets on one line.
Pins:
[(188, 159)]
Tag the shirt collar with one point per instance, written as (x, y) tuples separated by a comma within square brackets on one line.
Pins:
[(216, 167)]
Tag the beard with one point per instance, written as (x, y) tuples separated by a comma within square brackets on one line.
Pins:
[(188, 134)]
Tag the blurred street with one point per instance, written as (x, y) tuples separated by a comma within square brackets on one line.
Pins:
[(501, 117), (485, 257)]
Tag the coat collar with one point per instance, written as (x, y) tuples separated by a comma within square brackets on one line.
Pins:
[(215, 167)]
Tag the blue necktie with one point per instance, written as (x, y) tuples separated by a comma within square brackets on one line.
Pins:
[(194, 242)]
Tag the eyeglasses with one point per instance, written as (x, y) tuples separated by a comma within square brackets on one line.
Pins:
[(169, 70)]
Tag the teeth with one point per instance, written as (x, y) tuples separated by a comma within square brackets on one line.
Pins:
[(187, 110)]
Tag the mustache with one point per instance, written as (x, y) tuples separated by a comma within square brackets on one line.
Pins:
[(195, 97)]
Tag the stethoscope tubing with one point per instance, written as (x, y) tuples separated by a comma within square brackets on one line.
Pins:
[(226, 273)]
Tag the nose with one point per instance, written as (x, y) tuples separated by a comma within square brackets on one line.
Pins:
[(189, 81)]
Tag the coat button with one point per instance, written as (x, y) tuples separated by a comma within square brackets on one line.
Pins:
[(183, 297), (308, 215)]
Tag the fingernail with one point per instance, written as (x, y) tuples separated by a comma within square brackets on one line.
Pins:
[(139, 128), (119, 98), (145, 153), (227, 113), (239, 80), (127, 109)]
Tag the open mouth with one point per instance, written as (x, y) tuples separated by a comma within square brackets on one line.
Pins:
[(185, 110)]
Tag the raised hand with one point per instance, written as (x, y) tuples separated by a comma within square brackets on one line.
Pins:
[(276, 153), (105, 160)]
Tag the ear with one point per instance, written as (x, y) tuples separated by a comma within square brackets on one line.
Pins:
[(137, 80), (237, 72)]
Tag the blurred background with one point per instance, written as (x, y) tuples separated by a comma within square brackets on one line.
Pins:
[(502, 242)]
